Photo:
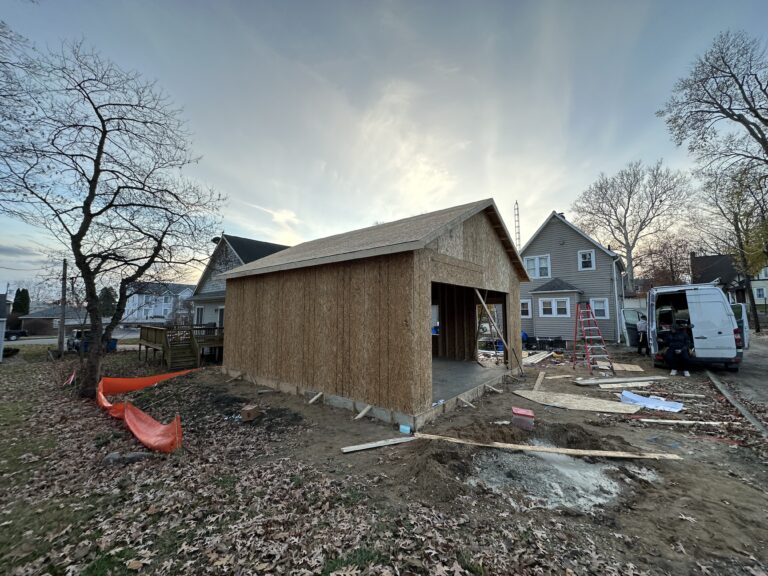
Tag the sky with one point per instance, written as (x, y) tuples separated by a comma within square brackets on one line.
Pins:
[(316, 118)]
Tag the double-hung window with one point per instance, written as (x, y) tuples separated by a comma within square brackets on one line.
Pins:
[(586, 260), (759, 292), (538, 266), (554, 307), (600, 308), (525, 308)]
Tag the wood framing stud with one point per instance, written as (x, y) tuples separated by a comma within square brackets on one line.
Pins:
[(363, 412), (316, 397)]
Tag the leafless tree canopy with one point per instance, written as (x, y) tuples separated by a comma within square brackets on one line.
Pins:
[(666, 258), (635, 203), (93, 153), (721, 107)]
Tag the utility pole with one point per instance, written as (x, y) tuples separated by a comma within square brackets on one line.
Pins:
[(63, 313)]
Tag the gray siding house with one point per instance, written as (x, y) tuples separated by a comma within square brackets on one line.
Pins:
[(230, 252), (566, 266)]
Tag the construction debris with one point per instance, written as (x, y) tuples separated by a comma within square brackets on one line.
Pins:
[(522, 418), (250, 412), (536, 358), (652, 402), (686, 422), (378, 444), (316, 397), (738, 405), (553, 450), (363, 412), (597, 381), (539, 379), (574, 402), (617, 366), (626, 385)]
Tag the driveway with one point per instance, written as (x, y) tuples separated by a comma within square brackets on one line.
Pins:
[(750, 381), (54, 340)]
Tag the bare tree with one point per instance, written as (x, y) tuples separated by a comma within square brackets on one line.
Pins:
[(634, 204), (721, 107), (94, 156), (666, 258)]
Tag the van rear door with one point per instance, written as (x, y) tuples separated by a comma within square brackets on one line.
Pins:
[(742, 320), (712, 323)]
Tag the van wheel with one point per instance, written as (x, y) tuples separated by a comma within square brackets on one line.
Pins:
[(732, 367)]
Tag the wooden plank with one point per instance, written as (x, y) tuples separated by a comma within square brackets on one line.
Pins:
[(492, 389), (596, 381), (316, 397), (574, 402), (466, 402), (687, 422), (539, 380), (626, 385), (536, 358), (559, 377), (363, 412), (689, 395), (553, 450), (378, 444)]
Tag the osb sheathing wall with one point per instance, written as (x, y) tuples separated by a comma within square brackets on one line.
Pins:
[(345, 329)]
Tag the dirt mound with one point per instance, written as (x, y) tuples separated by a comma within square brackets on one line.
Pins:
[(437, 473), (560, 435)]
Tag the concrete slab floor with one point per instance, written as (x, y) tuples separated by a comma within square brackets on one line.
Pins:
[(452, 377)]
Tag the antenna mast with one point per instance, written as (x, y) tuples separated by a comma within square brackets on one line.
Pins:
[(517, 226)]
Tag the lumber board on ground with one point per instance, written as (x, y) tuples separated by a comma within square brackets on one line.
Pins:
[(466, 402), (539, 380), (553, 450), (574, 402), (686, 422), (738, 405), (559, 376), (492, 389), (377, 444), (596, 381), (618, 366), (626, 385), (316, 397), (536, 358)]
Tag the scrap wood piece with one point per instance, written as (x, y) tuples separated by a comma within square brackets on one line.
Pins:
[(378, 444), (574, 402), (738, 405), (492, 389), (238, 377), (689, 395), (622, 367), (316, 397), (466, 402), (626, 385), (686, 422), (558, 377), (536, 358), (553, 450), (596, 381), (363, 412), (539, 380)]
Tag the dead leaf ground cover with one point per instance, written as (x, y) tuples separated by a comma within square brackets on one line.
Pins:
[(276, 496)]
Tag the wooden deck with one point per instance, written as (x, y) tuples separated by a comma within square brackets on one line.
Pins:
[(179, 346)]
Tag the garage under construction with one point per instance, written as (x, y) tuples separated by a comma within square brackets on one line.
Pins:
[(382, 319)]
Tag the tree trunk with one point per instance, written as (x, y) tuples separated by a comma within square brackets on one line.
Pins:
[(752, 303), (630, 270)]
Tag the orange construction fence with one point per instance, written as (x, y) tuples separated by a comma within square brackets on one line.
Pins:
[(150, 432)]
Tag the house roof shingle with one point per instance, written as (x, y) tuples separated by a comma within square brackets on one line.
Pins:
[(71, 313), (556, 285), (159, 288), (249, 250), (390, 238)]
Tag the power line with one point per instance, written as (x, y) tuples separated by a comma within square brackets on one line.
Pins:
[(21, 269)]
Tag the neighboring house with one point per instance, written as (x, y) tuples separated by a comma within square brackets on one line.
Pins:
[(760, 287), (46, 321), (158, 303), (721, 270), (351, 315), (566, 267), (230, 252)]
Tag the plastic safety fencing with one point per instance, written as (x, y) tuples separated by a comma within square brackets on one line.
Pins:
[(153, 434)]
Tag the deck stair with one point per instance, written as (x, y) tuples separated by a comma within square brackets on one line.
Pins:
[(179, 346), (588, 343)]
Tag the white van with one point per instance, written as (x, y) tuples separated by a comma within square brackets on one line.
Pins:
[(705, 313)]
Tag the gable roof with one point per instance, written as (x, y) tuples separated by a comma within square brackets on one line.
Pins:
[(556, 285), (403, 235), (160, 288), (573, 227), (705, 269), (249, 250)]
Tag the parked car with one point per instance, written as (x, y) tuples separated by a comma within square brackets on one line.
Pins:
[(14, 334), (704, 312)]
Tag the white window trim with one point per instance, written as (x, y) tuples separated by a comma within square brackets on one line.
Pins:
[(530, 308), (607, 308), (594, 262), (554, 308), (757, 292), (549, 259)]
